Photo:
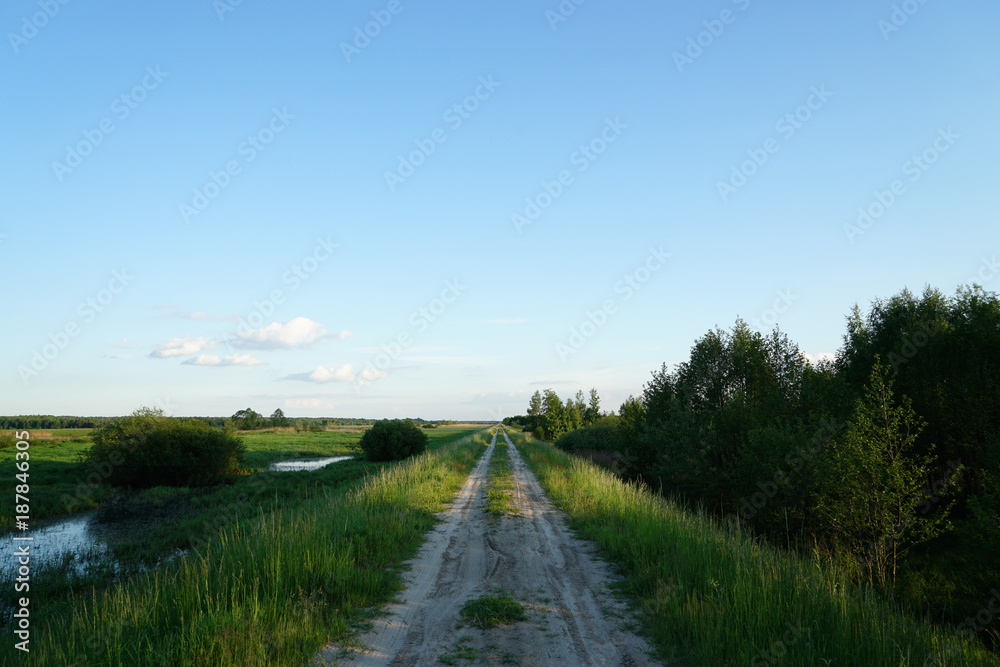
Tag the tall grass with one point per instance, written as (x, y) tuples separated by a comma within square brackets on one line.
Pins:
[(711, 595), (270, 590)]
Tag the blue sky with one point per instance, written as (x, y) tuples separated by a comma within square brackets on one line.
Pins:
[(210, 206)]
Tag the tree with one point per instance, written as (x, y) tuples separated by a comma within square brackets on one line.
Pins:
[(535, 409), (247, 420), (391, 440), (279, 419), (553, 421), (573, 412), (709, 410), (593, 410), (631, 419), (945, 353), (874, 486)]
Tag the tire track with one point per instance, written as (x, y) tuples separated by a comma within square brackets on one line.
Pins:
[(532, 556)]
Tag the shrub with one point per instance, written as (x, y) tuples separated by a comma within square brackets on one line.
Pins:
[(603, 436), (391, 440), (147, 449)]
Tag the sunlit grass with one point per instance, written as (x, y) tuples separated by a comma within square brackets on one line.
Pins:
[(61, 484), (711, 595), (270, 589)]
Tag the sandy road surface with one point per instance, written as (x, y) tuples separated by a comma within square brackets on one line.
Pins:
[(572, 620)]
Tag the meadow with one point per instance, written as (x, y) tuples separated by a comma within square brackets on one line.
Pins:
[(288, 567), (62, 485)]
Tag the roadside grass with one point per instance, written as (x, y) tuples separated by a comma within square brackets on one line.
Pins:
[(444, 435), (711, 595), (500, 485), (271, 588), (489, 611)]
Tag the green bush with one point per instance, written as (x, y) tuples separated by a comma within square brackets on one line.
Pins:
[(603, 436), (391, 440), (147, 449)]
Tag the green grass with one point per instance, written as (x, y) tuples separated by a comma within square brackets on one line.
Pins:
[(460, 651), (709, 595), (60, 484), (270, 589), (444, 435), (57, 480), (266, 447), (490, 611), (500, 486)]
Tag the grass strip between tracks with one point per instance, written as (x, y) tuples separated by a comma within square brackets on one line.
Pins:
[(501, 481)]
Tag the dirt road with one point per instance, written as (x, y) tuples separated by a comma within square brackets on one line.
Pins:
[(572, 619)]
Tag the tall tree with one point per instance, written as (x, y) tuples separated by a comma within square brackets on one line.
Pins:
[(247, 419), (874, 486), (535, 409), (553, 416), (593, 410), (574, 416), (278, 418)]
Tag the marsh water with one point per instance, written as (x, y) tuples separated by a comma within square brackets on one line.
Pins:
[(77, 539), (87, 535), (293, 465)]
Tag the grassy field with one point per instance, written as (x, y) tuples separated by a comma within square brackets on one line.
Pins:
[(56, 473), (709, 595), (266, 447), (60, 484), (268, 589)]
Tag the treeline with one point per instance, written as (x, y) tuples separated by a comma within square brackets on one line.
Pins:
[(246, 419), (50, 422), (886, 458), (548, 417)]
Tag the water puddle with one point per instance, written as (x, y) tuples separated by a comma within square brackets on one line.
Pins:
[(85, 537), (294, 465), (51, 542)]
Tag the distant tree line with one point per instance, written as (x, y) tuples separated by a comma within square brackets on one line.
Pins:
[(548, 417), (247, 419), (887, 457), (50, 422)]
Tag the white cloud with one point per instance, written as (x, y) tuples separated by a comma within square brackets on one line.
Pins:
[(178, 347), (345, 373), (229, 360), (299, 332), (370, 374), (822, 356), (124, 344), (342, 374)]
